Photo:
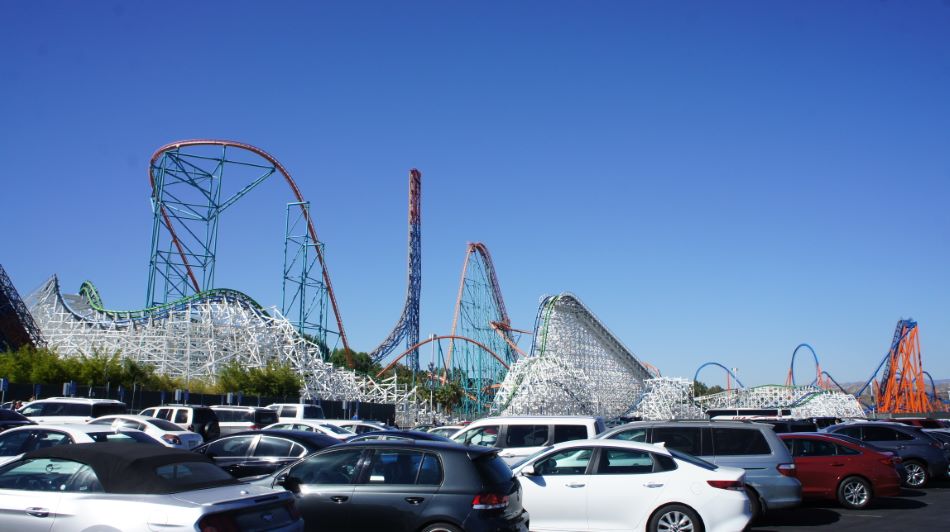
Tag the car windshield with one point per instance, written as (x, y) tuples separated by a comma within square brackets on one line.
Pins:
[(128, 436), (185, 476), (164, 425), (335, 429), (690, 459), (531, 456)]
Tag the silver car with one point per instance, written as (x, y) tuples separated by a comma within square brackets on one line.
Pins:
[(121, 487)]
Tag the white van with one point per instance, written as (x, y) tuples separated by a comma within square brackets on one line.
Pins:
[(290, 412), (521, 436)]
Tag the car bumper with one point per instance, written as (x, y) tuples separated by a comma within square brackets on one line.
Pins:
[(777, 492), (730, 511), (481, 522)]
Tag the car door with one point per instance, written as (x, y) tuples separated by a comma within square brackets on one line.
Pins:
[(324, 484), (268, 455), (817, 466), (556, 494), (623, 489), (230, 452), (29, 496), (389, 495)]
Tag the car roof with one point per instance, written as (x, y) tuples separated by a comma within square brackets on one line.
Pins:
[(302, 436), (241, 407), (472, 450), (82, 400), (75, 428), (409, 434), (126, 468), (688, 422)]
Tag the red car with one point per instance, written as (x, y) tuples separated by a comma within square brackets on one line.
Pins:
[(835, 469)]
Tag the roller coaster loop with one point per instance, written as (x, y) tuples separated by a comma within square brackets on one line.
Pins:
[(434, 338), (727, 370), (175, 146), (790, 380)]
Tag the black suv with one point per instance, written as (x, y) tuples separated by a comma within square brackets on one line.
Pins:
[(196, 418), (405, 486), (233, 419)]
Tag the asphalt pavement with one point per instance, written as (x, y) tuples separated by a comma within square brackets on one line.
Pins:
[(924, 509)]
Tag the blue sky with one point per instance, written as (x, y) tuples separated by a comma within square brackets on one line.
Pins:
[(716, 181)]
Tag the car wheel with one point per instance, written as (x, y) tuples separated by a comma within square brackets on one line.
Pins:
[(441, 527), (675, 518), (917, 476), (854, 493)]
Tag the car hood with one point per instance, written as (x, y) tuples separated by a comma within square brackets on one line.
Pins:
[(225, 494)]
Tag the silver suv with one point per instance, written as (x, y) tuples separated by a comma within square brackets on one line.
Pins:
[(754, 447)]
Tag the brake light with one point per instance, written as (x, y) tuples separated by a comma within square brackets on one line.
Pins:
[(786, 469), (218, 523), (727, 484), (489, 501), (253, 427), (172, 439)]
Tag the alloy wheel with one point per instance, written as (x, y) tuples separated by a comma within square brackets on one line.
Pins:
[(856, 493), (675, 521), (915, 474)]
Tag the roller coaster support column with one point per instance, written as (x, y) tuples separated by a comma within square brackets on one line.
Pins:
[(304, 298)]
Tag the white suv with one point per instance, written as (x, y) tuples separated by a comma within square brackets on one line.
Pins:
[(58, 410), (522, 436)]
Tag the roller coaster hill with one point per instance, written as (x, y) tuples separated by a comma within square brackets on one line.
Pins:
[(189, 327)]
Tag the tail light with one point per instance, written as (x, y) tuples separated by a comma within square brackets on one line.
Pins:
[(218, 523), (786, 469), (172, 439), (734, 485), (253, 427), (489, 501)]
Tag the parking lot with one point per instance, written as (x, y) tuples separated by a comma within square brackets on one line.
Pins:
[(928, 509)]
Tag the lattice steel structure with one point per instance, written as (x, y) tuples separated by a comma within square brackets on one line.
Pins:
[(576, 365), (17, 328), (803, 401), (192, 337), (407, 328), (666, 398)]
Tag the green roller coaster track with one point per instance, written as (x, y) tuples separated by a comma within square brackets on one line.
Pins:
[(90, 293)]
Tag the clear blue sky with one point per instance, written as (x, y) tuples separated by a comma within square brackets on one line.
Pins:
[(715, 180)]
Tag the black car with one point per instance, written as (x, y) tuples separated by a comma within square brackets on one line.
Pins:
[(403, 486), (924, 457), (261, 452), (12, 418), (397, 435)]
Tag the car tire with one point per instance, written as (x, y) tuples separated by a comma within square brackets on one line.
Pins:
[(854, 493), (675, 518), (917, 475), (442, 527)]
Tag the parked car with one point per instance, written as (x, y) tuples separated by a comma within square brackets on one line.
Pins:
[(782, 426), (922, 422), (924, 457), (313, 425), (446, 430), (166, 432), (139, 487), (196, 418), (834, 469), (603, 484), (519, 437), (233, 419), (71, 409), (293, 411), (261, 452), (358, 426), (398, 435), (405, 486), (16, 441), (11, 418), (770, 470)]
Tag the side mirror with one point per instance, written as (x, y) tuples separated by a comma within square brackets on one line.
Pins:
[(291, 484), (528, 471)]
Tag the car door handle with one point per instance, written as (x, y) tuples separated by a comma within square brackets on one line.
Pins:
[(575, 484), (653, 485), (339, 498), (414, 500), (37, 512)]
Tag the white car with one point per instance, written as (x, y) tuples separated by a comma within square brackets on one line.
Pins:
[(166, 432), (358, 426), (71, 409), (16, 441), (312, 425), (446, 430), (625, 485)]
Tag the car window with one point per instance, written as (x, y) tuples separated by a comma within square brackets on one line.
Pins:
[(637, 434), (150, 412), (567, 462), (181, 416), (266, 417), (624, 462), (734, 442), (164, 425), (288, 411), (880, 434), (333, 428), (685, 439), (11, 443), (234, 446), (492, 469), (224, 415), (106, 409), (203, 415), (430, 473), (564, 433), (83, 481), (690, 459), (395, 467), (806, 447), (526, 435), (312, 412), (270, 446), (842, 450), (854, 432), (47, 438), (128, 436), (39, 474), (186, 474), (339, 467), (34, 409), (486, 436)]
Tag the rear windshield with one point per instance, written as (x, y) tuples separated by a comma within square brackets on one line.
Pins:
[(734, 442), (132, 436), (335, 429), (267, 417), (164, 425), (108, 409), (185, 476), (569, 432), (690, 459), (312, 412), (493, 469)]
